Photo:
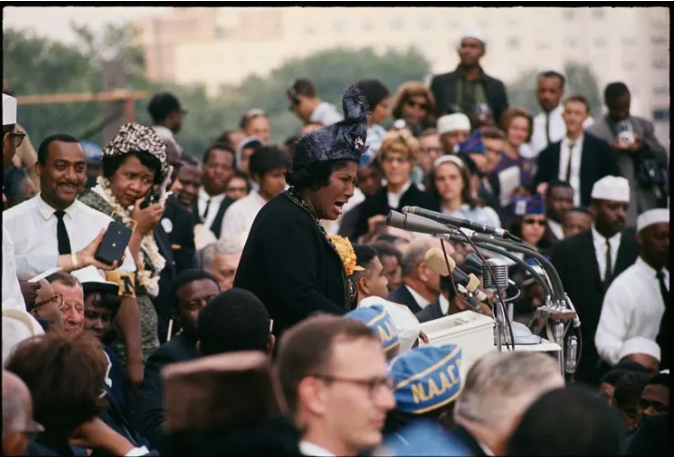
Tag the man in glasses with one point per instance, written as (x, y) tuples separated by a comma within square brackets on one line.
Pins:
[(304, 102), (334, 377), (70, 294)]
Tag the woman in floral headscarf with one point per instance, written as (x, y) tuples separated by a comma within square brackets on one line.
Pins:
[(133, 163)]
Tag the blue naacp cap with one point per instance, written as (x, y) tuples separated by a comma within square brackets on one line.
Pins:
[(378, 319), (426, 378), (529, 205), (473, 145), (92, 151), (423, 437)]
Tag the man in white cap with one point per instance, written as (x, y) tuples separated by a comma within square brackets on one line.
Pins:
[(588, 261), (453, 129), (643, 351), (468, 89), (636, 304)]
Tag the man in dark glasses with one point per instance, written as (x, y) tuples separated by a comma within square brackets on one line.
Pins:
[(304, 102)]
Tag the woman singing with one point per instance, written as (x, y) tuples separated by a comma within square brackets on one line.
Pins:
[(289, 261)]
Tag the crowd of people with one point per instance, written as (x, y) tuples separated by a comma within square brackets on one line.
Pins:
[(257, 302)]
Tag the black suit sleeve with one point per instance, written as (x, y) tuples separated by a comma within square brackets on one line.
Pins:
[(185, 257), (558, 259), (439, 95), (149, 412), (543, 171), (609, 162), (504, 101)]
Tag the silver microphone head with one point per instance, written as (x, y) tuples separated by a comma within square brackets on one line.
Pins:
[(500, 279)]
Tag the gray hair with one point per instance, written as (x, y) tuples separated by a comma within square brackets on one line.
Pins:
[(223, 247), (64, 278), (414, 254), (502, 385), (14, 414)]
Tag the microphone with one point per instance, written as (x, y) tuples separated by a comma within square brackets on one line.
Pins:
[(414, 223), (436, 261), (500, 279), (454, 221)]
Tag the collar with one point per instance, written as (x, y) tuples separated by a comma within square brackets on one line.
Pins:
[(484, 447), (556, 112), (421, 301), (556, 228), (649, 270), (321, 109), (162, 131), (579, 141), (597, 237), (308, 448), (480, 77), (444, 305), (47, 211), (203, 195), (405, 188), (255, 195)]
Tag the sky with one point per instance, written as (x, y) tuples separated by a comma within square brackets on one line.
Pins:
[(54, 22)]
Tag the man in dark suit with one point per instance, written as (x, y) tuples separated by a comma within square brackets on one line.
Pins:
[(634, 142), (421, 285), (581, 159), (468, 88), (588, 261), (211, 204)]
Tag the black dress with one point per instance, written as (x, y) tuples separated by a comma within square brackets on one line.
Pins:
[(290, 263)]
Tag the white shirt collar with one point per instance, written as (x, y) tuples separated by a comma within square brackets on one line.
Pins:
[(566, 141), (649, 270), (46, 211), (556, 228), (163, 132), (255, 195), (598, 238), (203, 195), (308, 448), (444, 305), (402, 191), (421, 301)]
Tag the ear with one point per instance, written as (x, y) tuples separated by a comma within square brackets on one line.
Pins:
[(271, 342), (639, 239), (311, 396), (362, 285), (422, 271), (593, 210), (38, 168)]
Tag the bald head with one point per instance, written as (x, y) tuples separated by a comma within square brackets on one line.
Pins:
[(416, 251), (17, 408)]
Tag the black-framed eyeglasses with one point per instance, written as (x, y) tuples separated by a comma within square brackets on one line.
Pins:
[(435, 150), (17, 137), (413, 104), (57, 298), (541, 222), (372, 385)]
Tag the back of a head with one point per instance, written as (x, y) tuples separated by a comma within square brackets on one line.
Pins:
[(364, 255), (235, 320), (302, 86), (374, 91), (415, 253), (628, 389), (568, 421), (501, 385), (65, 374), (161, 105), (266, 159)]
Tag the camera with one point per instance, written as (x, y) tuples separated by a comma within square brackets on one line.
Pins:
[(482, 111), (152, 197), (625, 133)]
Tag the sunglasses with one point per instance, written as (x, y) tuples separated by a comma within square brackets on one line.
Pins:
[(413, 104), (659, 407), (531, 220), (17, 137)]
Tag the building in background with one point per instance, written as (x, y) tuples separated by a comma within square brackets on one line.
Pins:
[(217, 46)]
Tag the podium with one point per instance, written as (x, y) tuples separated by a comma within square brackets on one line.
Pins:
[(474, 333)]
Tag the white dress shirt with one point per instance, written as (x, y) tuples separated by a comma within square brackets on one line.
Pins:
[(444, 305), (326, 114), (307, 448), (166, 135), (633, 306), (32, 227), (576, 154), (240, 215), (11, 290), (421, 301), (600, 250), (539, 139), (212, 208), (394, 198), (556, 229)]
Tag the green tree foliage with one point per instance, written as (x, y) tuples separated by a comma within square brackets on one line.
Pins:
[(35, 65)]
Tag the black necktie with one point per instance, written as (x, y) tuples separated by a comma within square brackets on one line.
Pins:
[(663, 339), (609, 263), (208, 205), (547, 127), (568, 164), (62, 234)]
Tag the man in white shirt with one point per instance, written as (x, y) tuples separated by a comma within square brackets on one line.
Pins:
[(54, 229), (558, 202), (212, 202), (167, 115), (268, 166), (635, 303), (307, 106), (334, 376), (549, 127)]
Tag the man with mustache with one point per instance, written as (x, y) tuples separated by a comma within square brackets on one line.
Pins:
[(588, 262)]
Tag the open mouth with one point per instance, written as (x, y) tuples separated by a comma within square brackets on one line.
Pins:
[(339, 206)]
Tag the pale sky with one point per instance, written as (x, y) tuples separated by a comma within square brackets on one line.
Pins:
[(54, 22)]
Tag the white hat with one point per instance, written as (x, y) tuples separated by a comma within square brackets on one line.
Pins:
[(476, 33), (17, 326), (90, 276), (453, 122), (614, 188), (404, 321), (652, 216), (8, 110), (639, 345), (448, 158)]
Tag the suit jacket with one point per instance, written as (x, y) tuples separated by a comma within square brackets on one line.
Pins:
[(164, 302), (597, 160), (378, 204), (461, 435), (431, 312), (641, 198), (181, 235), (216, 226), (575, 260), (149, 414), (444, 90), (402, 296)]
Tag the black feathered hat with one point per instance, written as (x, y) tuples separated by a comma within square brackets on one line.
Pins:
[(344, 140)]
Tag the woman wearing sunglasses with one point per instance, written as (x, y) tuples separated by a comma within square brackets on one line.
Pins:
[(531, 224), (414, 103)]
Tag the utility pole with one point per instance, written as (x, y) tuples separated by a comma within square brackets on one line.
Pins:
[(114, 77)]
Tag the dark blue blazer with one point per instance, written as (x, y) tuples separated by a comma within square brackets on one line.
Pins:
[(402, 296)]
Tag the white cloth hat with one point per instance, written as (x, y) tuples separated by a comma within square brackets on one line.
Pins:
[(448, 158), (17, 326), (453, 122), (8, 110), (404, 321), (639, 345), (652, 216), (476, 33), (615, 188)]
